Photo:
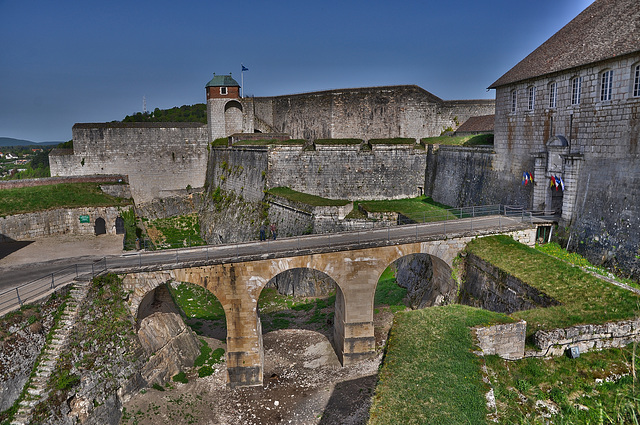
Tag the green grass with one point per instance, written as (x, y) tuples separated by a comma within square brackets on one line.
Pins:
[(567, 383), (584, 298), (420, 209), (305, 198), (175, 232), (576, 259), (65, 195), (429, 374), (338, 141), (388, 292), (393, 141), (197, 302), (220, 142), (479, 139), (271, 142)]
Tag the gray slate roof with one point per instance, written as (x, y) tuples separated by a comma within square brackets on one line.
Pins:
[(222, 81), (606, 29)]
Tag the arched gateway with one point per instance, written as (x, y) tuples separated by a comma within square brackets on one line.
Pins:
[(238, 286)]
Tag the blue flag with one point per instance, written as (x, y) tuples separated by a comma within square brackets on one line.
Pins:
[(244, 68)]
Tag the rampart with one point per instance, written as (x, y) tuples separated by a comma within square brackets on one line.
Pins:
[(13, 184), (365, 113), (158, 158)]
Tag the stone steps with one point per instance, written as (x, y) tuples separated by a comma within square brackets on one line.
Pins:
[(37, 390)]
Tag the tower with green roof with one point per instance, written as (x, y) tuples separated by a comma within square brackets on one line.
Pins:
[(224, 106)]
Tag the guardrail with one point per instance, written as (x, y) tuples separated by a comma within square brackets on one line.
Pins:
[(43, 285), (35, 289)]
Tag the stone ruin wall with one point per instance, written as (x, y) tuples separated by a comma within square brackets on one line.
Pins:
[(158, 158), (366, 113)]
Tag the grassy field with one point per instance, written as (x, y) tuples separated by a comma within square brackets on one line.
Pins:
[(305, 198), (420, 209), (430, 375), (479, 139), (175, 232), (595, 388), (270, 142), (584, 298), (65, 195)]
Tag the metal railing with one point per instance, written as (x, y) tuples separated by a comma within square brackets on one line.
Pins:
[(467, 218), (41, 286)]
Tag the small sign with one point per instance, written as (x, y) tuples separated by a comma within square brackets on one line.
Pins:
[(85, 219)]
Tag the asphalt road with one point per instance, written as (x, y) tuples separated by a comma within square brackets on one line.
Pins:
[(47, 275)]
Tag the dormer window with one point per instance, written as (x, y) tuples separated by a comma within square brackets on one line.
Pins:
[(606, 85), (223, 91)]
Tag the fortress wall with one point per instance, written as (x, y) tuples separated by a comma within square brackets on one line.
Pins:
[(157, 158), (345, 172), (59, 221), (242, 170), (367, 113), (464, 176)]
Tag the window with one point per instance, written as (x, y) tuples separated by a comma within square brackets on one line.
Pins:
[(514, 101), (223, 90), (636, 80), (576, 90), (532, 98), (553, 91), (606, 85)]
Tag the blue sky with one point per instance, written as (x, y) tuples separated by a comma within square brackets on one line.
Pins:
[(63, 62)]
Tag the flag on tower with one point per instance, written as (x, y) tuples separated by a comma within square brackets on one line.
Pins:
[(244, 68)]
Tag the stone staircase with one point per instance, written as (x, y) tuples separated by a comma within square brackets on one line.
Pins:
[(37, 386)]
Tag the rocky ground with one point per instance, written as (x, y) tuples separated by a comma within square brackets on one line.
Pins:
[(304, 384)]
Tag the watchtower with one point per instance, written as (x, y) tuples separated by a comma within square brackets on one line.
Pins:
[(224, 109)]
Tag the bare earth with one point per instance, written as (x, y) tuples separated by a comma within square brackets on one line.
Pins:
[(304, 384)]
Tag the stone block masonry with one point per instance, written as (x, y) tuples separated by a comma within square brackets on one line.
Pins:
[(505, 340), (158, 158), (12, 184), (57, 222)]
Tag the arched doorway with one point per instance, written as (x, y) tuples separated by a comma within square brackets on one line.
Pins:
[(233, 117), (119, 226), (100, 226)]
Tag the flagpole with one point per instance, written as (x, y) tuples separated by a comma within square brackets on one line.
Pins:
[(242, 80)]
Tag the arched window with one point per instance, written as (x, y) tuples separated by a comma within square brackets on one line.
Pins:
[(606, 85), (553, 94)]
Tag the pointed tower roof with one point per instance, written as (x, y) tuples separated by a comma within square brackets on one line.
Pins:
[(222, 81), (606, 29)]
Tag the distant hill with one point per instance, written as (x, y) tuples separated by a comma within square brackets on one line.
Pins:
[(10, 141)]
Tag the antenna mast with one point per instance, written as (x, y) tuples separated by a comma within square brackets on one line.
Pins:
[(144, 104)]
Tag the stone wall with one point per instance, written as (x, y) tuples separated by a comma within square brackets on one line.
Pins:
[(366, 113), (57, 222), (347, 172), (490, 288), (158, 158), (11, 184), (242, 170), (506, 340), (587, 337)]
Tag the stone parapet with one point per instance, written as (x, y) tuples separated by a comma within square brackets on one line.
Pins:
[(505, 340)]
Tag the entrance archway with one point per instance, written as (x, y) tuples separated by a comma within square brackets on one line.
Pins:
[(100, 226), (119, 226), (233, 117)]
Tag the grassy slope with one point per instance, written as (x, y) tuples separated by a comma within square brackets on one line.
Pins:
[(430, 375), (479, 139), (584, 298), (65, 195), (419, 209), (305, 198)]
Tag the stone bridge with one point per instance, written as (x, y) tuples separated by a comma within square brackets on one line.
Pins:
[(355, 268)]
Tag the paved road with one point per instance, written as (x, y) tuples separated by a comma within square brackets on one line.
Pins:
[(54, 273)]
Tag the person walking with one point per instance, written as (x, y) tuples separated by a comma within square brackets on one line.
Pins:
[(274, 233), (263, 232)]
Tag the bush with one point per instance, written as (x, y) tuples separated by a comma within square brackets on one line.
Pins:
[(180, 377)]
